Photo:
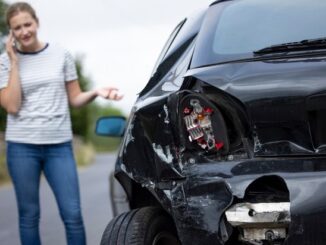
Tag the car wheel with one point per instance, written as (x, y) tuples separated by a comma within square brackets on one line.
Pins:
[(144, 226)]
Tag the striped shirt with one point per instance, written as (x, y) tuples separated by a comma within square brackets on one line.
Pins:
[(44, 116)]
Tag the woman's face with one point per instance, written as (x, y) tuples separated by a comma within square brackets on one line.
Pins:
[(24, 28)]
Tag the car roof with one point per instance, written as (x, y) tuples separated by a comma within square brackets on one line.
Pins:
[(218, 1)]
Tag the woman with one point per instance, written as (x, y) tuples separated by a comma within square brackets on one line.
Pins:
[(37, 80)]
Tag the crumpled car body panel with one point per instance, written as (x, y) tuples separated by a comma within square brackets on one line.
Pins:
[(275, 114), (197, 188)]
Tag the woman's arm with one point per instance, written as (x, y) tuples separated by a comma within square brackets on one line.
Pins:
[(77, 98), (11, 96)]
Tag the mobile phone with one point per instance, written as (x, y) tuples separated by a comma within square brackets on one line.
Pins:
[(15, 44)]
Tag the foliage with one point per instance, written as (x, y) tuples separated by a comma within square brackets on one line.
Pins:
[(3, 116), (3, 32), (4, 177), (84, 154), (80, 117), (3, 25), (84, 119)]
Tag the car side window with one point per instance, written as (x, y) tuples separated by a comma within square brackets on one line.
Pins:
[(168, 44)]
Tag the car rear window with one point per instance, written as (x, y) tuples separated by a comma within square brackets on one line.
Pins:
[(234, 29)]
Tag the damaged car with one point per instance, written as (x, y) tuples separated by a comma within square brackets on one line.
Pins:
[(226, 144)]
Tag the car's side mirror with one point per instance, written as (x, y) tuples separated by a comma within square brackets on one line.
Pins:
[(113, 126)]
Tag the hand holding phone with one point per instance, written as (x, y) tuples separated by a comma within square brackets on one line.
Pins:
[(11, 47)]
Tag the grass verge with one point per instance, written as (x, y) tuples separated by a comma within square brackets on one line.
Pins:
[(84, 155), (84, 152), (4, 176)]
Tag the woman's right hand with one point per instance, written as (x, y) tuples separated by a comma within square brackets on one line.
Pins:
[(10, 48), (11, 96)]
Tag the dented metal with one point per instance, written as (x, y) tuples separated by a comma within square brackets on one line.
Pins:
[(265, 182)]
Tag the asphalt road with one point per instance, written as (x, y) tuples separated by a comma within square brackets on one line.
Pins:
[(96, 207)]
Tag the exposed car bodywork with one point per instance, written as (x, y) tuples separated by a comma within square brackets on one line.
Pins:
[(250, 135)]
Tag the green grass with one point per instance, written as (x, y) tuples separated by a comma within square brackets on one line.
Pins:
[(106, 144), (4, 176), (84, 155), (84, 152)]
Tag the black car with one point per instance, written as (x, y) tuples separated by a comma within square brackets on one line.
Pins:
[(226, 144)]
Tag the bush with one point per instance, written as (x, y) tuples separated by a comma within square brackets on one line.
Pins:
[(4, 176), (84, 152), (84, 155)]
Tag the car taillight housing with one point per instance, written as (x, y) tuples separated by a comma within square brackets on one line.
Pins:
[(204, 123), (199, 125)]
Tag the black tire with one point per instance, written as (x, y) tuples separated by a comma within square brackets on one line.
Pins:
[(144, 226)]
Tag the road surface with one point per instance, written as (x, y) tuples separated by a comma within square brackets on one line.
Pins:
[(96, 207)]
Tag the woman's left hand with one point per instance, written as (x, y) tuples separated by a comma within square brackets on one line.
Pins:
[(109, 93)]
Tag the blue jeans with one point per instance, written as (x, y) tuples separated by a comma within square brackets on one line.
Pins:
[(25, 164)]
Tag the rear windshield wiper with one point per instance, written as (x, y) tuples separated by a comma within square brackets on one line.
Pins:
[(308, 44)]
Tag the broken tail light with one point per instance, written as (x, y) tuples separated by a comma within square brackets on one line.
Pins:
[(199, 125), (204, 124)]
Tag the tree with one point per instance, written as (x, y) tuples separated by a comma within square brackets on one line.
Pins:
[(3, 33), (84, 119), (80, 117), (3, 25)]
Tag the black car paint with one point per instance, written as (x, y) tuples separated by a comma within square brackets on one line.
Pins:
[(276, 106)]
